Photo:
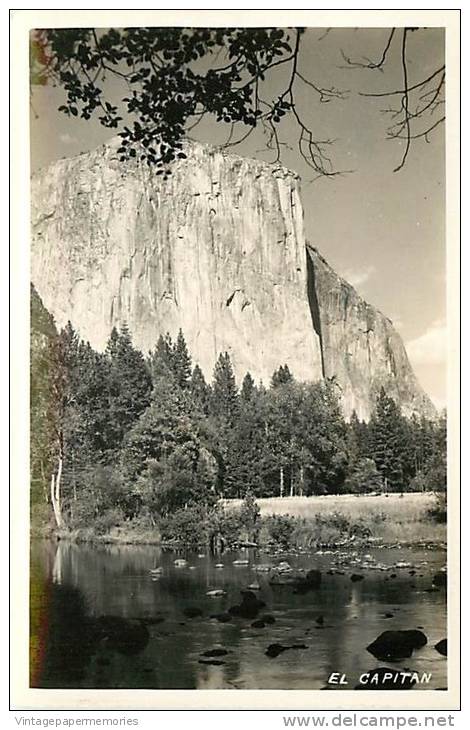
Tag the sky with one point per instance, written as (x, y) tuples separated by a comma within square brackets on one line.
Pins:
[(383, 231)]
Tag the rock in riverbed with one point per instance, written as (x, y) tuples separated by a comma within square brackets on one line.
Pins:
[(283, 567), (356, 577), (310, 582), (268, 619), (300, 581), (262, 568), (249, 607), (214, 652), (441, 647), (223, 618), (274, 650), (440, 579), (396, 645)]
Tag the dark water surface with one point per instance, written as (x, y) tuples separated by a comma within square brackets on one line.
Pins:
[(158, 646)]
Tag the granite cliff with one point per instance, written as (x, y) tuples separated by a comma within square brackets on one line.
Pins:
[(217, 249), (359, 345)]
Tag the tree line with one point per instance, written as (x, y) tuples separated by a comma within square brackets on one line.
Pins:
[(119, 435)]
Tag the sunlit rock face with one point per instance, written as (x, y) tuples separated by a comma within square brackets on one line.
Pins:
[(360, 348), (218, 250)]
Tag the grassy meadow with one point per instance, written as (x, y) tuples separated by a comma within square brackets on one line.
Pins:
[(390, 518)]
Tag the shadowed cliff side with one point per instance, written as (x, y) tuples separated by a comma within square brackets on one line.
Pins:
[(360, 347)]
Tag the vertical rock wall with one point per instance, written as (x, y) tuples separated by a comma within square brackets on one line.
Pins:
[(360, 347), (217, 249)]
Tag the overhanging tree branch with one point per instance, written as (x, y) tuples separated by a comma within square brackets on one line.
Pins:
[(170, 88), (418, 100)]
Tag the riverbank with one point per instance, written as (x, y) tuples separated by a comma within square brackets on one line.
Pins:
[(284, 525)]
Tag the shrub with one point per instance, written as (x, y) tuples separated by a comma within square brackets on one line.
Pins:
[(111, 518), (185, 526), (438, 511), (280, 530)]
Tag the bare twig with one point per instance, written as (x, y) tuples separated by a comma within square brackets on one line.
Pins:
[(367, 63)]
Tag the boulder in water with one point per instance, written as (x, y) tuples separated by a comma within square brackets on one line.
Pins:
[(395, 645), (356, 577), (283, 567), (215, 652), (249, 607), (274, 650), (268, 619), (440, 579), (441, 647), (309, 582), (223, 618), (262, 568)]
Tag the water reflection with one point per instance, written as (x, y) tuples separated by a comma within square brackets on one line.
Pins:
[(101, 618)]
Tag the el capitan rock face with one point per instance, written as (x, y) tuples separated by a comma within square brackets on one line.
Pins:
[(360, 346), (217, 249)]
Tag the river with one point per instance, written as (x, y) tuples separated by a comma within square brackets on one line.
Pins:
[(328, 629)]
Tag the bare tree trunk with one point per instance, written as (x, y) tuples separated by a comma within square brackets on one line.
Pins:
[(55, 494), (301, 482), (281, 481)]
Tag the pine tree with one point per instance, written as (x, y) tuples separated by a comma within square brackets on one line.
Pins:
[(129, 386), (281, 376), (181, 361), (199, 391), (248, 457), (436, 466), (248, 388), (387, 441), (113, 343), (161, 359), (224, 399)]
